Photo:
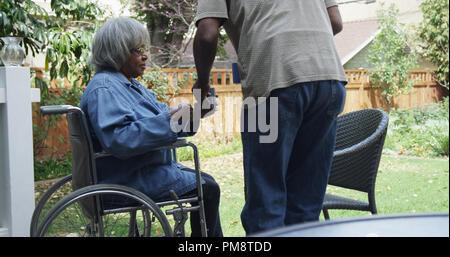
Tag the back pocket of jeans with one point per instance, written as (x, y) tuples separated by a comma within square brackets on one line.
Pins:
[(338, 97)]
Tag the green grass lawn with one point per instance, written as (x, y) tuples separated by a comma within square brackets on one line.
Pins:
[(404, 185)]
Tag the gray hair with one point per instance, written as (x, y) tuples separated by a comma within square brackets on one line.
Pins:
[(114, 41)]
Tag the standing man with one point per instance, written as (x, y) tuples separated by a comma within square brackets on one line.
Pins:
[(285, 50)]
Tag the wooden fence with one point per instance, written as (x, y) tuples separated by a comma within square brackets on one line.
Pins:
[(360, 95), (226, 121)]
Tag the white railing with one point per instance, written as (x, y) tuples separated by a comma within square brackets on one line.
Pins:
[(16, 151)]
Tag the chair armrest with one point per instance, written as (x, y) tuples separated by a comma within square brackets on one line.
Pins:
[(102, 155), (56, 109), (360, 146), (181, 142), (380, 132)]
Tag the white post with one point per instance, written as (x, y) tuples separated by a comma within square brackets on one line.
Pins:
[(16, 151)]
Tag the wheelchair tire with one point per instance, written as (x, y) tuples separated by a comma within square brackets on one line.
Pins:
[(67, 218), (45, 200)]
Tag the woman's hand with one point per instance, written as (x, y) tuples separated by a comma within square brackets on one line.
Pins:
[(182, 117), (181, 110)]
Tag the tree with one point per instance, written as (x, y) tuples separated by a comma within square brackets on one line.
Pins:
[(22, 18), (170, 24), (390, 56), (171, 27), (70, 36), (433, 33), (64, 37)]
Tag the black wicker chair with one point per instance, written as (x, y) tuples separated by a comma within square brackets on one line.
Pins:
[(359, 143)]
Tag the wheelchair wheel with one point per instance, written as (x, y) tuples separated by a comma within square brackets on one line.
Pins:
[(105, 211), (56, 192)]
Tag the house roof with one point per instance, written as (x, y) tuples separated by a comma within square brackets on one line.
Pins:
[(354, 37)]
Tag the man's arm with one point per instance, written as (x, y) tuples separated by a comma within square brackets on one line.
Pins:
[(205, 49), (335, 19)]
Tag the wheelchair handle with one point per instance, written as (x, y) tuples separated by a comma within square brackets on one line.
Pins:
[(56, 109)]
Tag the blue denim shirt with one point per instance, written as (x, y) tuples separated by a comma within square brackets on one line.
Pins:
[(126, 120)]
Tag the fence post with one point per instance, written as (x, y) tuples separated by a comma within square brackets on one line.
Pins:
[(16, 151)]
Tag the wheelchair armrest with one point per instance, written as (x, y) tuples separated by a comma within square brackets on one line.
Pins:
[(181, 142), (56, 109), (102, 155)]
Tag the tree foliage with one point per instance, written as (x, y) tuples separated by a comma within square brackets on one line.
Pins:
[(65, 35), (390, 56), (433, 32), (23, 18), (70, 36)]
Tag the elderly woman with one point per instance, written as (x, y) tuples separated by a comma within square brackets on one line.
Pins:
[(126, 120)]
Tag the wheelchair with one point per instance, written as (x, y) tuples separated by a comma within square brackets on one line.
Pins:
[(108, 210)]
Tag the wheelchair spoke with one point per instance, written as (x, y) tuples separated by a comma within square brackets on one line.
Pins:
[(71, 218)]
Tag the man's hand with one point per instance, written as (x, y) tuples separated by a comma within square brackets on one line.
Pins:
[(204, 91), (204, 100)]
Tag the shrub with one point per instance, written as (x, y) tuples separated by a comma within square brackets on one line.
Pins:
[(158, 82), (420, 131), (52, 168)]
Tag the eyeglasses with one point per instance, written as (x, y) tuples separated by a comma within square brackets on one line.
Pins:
[(141, 50)]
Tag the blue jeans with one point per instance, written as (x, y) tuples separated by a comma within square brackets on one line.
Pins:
[(286, 180)]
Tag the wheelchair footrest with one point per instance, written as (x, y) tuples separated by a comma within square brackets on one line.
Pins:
[(179, 214)]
